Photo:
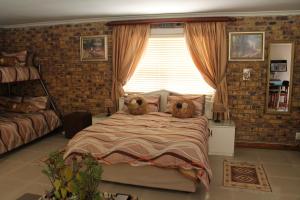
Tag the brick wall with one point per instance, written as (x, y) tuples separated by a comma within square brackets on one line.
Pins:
[(247, 98), (1, 38), (75, 85), (78, 85)]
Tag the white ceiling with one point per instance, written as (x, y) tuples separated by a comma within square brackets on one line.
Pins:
[(14, 12)]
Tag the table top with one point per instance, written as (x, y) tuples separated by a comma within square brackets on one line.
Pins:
[(225, 123)]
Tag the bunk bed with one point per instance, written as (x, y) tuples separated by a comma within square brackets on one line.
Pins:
[(24, 119)]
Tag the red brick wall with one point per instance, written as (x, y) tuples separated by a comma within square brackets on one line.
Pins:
[(247, 98), (75, 85), (78, 85)]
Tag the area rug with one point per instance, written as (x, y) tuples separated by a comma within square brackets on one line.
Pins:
[(104, 195), (246, 176)]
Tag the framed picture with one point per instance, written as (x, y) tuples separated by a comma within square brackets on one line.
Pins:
[(93, 48), (278, 66), (246, 46), (246, 74)]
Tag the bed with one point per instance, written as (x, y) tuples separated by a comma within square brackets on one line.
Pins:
[(153, 150), (24, 119), (17, 74), (17, 129)]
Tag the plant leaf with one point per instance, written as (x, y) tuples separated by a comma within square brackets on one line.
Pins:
[(63, 192), (57, 184)]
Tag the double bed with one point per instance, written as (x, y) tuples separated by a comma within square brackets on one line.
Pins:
[(152, 150)]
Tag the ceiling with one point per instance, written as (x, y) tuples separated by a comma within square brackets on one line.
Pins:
[(13, 12)]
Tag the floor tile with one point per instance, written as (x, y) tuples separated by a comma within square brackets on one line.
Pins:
[(285, 186), (282, 170), (20, 172)]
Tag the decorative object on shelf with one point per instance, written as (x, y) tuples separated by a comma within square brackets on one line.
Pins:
[(76, 178), (93, 48), (218, 109), (108, 104), (246, 46)]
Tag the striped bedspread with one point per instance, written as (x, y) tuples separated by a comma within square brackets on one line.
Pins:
[(153, 139), (17, 129), (15, 74)]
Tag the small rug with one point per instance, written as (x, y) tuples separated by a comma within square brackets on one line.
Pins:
[(104, 195), (246, 176)]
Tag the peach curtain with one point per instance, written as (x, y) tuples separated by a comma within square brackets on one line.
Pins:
[(129, 43), (207, 46)]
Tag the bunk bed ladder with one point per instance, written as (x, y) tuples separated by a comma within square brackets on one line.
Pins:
[(52, 103)]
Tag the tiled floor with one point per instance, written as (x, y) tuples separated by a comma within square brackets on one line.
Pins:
[(20, 172)]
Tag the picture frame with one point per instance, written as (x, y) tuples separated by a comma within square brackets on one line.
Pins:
[(246, 46), (246, 74), (278, 66), (93, 48)]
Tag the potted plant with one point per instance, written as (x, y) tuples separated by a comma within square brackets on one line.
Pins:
[(75, 179)]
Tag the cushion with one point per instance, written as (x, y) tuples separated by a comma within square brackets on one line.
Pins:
[(198, 101), (183, 108), (41, 102), (20, 56), (163, 98), (21, 107), (137, 105), (8, 61), (153, 102)]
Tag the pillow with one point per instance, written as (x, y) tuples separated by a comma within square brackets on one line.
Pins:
[(137, 105), (8, 61), (20, 56), (198, 101), (153, 102), (163, 98), (41, 102), (21, 107), (183, 109)]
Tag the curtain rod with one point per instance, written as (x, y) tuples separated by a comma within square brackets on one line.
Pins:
[(171, 20)]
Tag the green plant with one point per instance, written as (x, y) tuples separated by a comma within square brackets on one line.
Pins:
[(77, 178)]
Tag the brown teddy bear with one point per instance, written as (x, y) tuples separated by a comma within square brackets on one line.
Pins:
[(137, 105), (183, 109)]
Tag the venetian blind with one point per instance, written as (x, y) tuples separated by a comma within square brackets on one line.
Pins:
[(167, 64)]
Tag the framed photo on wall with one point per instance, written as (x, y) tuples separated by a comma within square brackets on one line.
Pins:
[(93, 48), (278, 66), (246, 46)]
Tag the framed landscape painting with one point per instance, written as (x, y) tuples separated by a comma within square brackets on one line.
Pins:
[(246, 46), (93, 48)]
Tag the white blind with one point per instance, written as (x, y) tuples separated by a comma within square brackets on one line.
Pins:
[(167, 64)]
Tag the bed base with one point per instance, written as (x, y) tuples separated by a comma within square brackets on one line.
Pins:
[(148, 176)]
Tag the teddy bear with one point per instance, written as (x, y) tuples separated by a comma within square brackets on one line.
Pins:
[(137, 105), (183, 109)]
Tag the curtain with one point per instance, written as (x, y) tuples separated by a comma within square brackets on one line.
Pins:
[(207, 45), (129, 43)]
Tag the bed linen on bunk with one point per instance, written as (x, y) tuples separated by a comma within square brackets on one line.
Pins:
[(17, 129), (156, 139), (15, 74)]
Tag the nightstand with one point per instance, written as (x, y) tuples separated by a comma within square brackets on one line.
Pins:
[(221, 139), (99, 117), (75, 122)]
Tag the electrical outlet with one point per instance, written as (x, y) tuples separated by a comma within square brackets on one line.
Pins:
[(298, 136)]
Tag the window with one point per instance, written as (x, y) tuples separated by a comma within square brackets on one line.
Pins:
[(167, 64)]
